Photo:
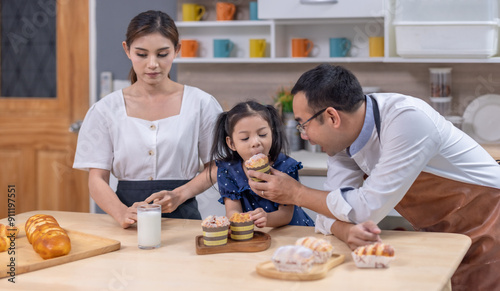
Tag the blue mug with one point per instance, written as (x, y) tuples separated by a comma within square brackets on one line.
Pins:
[(339, 47), (222, 48), (253, 10)]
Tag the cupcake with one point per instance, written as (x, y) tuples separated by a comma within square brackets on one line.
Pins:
[(321, 248), (377, 255), (215, 230), (241, 227), (293, 259), (259, 163)]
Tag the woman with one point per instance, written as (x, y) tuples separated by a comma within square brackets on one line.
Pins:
[(150, 135)]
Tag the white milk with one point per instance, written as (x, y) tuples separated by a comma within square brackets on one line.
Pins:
[(148, 228)]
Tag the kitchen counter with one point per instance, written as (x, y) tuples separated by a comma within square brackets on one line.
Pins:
[(315, 163), (424, 261)]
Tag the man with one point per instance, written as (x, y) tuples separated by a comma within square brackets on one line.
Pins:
[(393, 151)]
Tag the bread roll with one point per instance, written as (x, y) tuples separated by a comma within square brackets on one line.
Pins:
[(8, 230), (49, 240), (376, 249), (4, 243), (321, 248), (293, 259), (6, 233)]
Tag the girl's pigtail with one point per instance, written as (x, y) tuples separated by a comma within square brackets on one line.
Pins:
[(280, 143)]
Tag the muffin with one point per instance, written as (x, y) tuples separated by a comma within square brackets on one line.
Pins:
[(322, 249), (215, 230), (293, 259), (259, 163), (241, 227), (377, 255)]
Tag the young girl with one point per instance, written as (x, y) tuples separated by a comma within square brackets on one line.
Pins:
[(248, 129)]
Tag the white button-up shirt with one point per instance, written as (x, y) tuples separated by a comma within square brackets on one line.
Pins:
[(137, 149), (413, 138)]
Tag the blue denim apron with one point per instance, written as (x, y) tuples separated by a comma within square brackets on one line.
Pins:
[(130, 192)]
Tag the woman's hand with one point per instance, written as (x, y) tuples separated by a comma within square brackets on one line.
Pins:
[(169, 200), (259, 217), (129, 215)]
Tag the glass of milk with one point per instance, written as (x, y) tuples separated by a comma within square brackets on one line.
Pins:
[(149, 226)]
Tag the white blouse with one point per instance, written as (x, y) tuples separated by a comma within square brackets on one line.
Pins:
[(137, 149), (413, 138)]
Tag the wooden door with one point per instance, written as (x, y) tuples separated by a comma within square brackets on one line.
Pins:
[(36, 147)]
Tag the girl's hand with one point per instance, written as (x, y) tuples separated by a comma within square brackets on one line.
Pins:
[(259, 217), (169, 200), (129, 215)]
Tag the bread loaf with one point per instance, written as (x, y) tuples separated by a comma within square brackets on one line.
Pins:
[(49, 240), (8, 230), (6, 233)]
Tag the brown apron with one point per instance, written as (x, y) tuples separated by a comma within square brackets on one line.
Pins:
[(439, 204)]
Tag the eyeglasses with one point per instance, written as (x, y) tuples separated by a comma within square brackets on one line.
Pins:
[(300, 127)]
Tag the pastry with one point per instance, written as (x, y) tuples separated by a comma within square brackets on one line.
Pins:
[(49, 240), (8, 231), (241, 227), (293, 259), (215, 230), (377, 255), (321, 248), (7, 235), (259, 163), (4, 243)]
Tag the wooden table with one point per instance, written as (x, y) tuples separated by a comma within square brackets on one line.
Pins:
[(424, 261)]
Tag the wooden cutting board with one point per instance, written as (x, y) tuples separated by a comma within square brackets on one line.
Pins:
[(318, 271), (260, 242), (83, 245)]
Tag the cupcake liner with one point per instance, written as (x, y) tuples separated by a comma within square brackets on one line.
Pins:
[(215, 236), (242, 231), (370, 261), (266, 169)]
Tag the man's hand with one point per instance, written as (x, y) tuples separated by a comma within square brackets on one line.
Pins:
[(363, 234), (277, 187)]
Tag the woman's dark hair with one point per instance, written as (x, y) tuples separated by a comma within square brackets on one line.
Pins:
[(330, 86), (225, 127), (150, 22)]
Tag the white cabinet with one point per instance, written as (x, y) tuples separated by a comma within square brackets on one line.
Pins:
[(356, 20), (314, 9)]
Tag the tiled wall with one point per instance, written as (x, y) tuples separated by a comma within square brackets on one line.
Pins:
[(231, 83)]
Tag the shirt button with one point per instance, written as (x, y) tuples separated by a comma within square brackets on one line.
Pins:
[(152, 127), (150, 178), (151, 152)]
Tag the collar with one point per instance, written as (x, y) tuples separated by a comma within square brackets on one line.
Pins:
[(366, 131)]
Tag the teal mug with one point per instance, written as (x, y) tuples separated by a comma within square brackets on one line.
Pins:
[(222, 48), (339, 47), (253, 7)]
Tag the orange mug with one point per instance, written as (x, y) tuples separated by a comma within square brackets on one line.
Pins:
[(301, 47), (225, 11), (189, 47)]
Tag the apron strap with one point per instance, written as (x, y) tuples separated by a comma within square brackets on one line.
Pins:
[(376, 115)]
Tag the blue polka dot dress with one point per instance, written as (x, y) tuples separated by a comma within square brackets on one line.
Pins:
[(233, 184)]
